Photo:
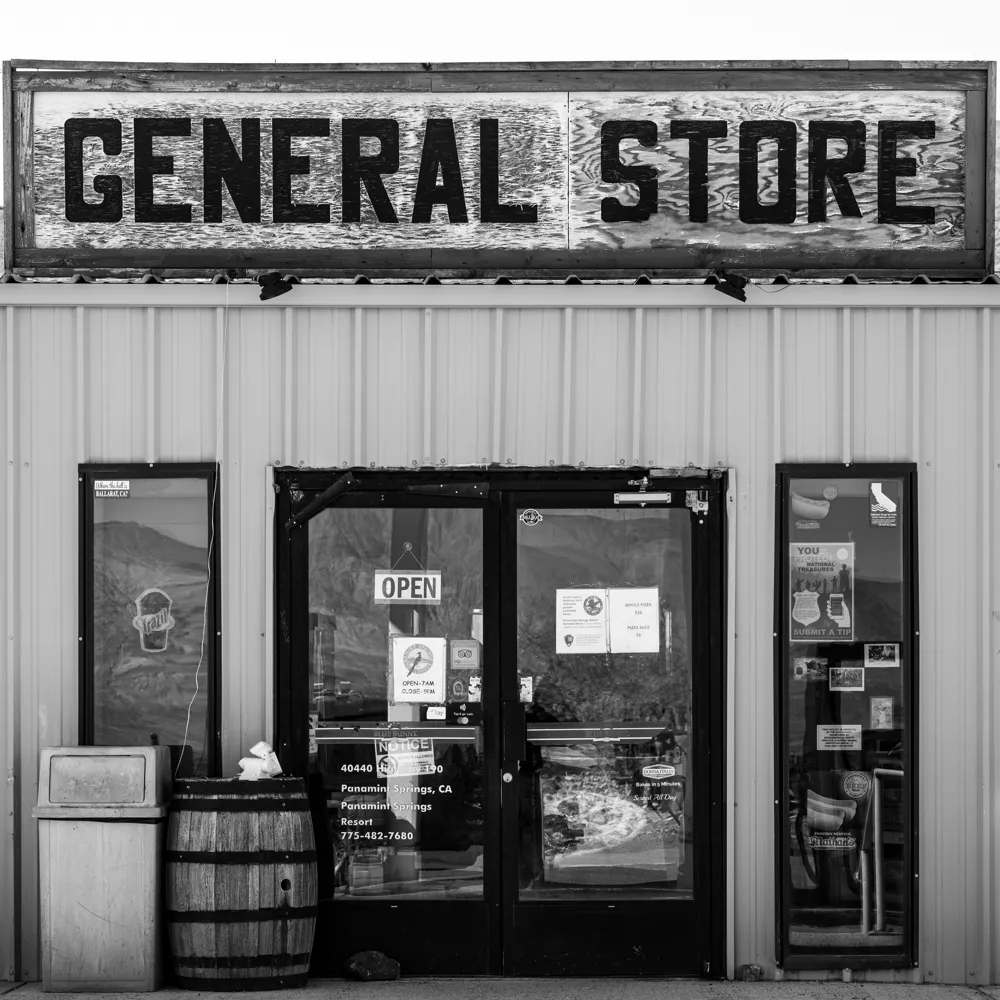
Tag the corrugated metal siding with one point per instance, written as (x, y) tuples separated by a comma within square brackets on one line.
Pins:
[(537, 377)]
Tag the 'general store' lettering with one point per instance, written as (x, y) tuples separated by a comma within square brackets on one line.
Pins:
[(440, 181)]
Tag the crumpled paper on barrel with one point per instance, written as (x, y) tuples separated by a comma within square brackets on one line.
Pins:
[(264, 763)]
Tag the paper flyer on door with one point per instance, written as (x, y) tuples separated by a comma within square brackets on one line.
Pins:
[(582, 621), (821, 581), (612, 620), (634, 619)]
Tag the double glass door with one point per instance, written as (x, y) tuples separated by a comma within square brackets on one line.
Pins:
[(506, 695)]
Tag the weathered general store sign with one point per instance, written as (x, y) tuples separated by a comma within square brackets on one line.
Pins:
[(678, 178)]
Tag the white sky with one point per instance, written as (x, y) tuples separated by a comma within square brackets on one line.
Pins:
[(457, 30), (468, 31)]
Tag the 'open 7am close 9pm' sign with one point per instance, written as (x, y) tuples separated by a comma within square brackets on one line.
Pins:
[(662, 169)]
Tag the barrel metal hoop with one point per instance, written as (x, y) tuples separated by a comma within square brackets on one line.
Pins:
[(232, 804), (240, 857), (241, 916), (206, 983), (238, 961)]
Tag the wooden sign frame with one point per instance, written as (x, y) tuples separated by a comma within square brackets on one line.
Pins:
[(602, 215)]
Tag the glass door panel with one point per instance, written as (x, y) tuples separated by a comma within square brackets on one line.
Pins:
[(604, 669), (395, 595)]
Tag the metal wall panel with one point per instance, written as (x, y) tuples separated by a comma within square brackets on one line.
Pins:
[(332, 377), (9, 695)]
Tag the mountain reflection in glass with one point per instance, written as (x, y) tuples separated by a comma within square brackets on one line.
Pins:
[(150, 574), (603, 803)]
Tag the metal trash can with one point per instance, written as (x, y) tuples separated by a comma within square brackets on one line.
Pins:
[(101, 835)]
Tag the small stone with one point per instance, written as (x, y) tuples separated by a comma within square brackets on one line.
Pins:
[(371, 965)]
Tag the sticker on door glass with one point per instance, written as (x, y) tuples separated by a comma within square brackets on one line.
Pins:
[(883, 500), (881, 712), (153, 620), (117, 488), (418, 669), (822, 585), (881, 654), (404, 757), (838, 737)]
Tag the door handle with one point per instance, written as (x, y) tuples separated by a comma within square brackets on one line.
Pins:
[(515, 731)]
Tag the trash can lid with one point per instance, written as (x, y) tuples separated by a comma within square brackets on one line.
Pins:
[(75, 778)]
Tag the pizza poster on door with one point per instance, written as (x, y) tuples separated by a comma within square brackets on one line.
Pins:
[(821, 585), (417, 665)]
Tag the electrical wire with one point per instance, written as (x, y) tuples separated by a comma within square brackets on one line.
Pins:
[(219, 413)]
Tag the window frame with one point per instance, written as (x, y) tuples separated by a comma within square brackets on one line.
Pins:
[(786, 956), (87, 473)]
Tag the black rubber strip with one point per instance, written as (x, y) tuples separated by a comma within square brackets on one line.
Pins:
[(240, 916), (241, 857), (238, 961), (211, 984)]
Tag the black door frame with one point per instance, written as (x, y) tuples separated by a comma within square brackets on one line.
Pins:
[(297, 488)]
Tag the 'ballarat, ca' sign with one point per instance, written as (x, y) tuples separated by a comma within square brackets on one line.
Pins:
[(591, 170)]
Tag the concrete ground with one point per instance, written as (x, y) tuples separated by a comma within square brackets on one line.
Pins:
[(562, 989)]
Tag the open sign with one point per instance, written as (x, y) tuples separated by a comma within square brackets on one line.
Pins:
[(422, 587)]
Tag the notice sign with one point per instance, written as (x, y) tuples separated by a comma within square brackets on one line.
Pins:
[(422, 587), (404, 757), (634, 619), (111, 488), (822, 592), (581, 621), (838, 737), (418, 669), (613, 620)]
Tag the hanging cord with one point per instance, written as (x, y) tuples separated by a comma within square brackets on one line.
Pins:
[(219, 412)]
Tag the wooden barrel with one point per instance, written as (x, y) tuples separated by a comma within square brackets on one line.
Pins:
[(241, 883)]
